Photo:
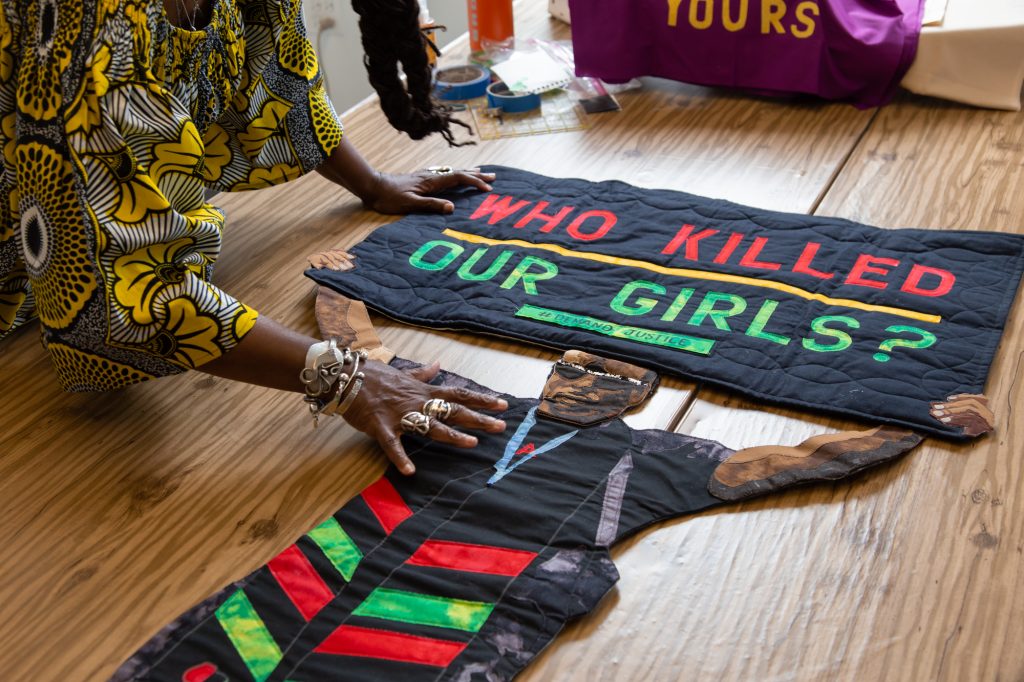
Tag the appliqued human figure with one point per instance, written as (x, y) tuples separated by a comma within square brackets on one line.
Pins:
[(466, 570)]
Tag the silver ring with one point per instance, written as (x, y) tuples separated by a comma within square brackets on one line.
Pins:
[(417, 422), (437, 408), (440, 170)]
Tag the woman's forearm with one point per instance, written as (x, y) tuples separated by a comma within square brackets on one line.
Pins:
[(347, 167), (270, 355)]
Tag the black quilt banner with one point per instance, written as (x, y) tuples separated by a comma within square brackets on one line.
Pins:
[(795, 309)]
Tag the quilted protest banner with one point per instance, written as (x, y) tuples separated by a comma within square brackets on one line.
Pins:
[(852, 50), (801, 310)]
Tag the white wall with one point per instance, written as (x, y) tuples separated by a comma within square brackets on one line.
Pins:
[(334, 32)]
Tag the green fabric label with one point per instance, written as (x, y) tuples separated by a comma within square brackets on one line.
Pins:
[(693, 344)]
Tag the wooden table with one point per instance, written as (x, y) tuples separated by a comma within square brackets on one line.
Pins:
[(118, 511)]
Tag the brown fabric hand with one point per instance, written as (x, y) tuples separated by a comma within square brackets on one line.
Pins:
[(411, 193), (969, 411), (388, 394)]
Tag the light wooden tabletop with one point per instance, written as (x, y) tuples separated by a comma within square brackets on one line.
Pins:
[(119, 511)]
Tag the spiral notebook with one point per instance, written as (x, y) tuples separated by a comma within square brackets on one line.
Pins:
[(532, 72)]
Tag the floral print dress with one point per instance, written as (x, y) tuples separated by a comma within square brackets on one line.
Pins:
[(114, 124)]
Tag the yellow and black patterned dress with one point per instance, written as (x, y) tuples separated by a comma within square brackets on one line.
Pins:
[(113, 124)]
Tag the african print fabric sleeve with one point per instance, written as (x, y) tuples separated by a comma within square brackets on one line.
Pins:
[(280, 123), (105, 223)]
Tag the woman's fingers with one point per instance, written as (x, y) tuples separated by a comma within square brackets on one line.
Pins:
[(391, 443), (472, 399), (466, 418), (425, 373), (443, 433)]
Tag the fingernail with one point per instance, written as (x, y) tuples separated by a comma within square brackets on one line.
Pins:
[(471, 441), (946, 419), (487, 188), (937, 412), (497, 426), (408, 469), (502, 404)]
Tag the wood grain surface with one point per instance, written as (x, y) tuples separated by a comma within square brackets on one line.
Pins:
[(119, 511)]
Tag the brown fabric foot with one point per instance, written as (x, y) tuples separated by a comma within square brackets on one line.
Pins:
[(761, 470)]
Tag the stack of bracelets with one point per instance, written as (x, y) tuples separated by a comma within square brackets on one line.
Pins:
[(332, 378)]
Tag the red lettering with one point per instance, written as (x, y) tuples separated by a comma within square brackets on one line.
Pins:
[(913, 283), (726, 253), (866, 265), (550, 221), (686, 236), (750, 257), (803, 264), (608, 222), (497, 208)]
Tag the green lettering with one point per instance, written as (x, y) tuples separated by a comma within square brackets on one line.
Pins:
[(466, 269), (530, 279), (417, 259), (677, 305), (706, 309), (760, 321), (842, 339), (641, 306)]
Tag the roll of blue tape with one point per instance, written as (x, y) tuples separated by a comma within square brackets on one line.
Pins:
[(500, 97), (461, 82)]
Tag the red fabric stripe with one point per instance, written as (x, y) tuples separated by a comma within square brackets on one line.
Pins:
[(386, 504), (350, 640), (460, 556), (300, 581)]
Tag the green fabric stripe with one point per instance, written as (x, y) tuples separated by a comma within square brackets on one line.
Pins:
[(425, 609), (250, 636), (332, 539)]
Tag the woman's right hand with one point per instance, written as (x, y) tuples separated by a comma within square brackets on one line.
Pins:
[(388, 394)]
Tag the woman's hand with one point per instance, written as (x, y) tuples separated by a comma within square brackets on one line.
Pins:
[(412, 192), (406, 193), (388, 394)]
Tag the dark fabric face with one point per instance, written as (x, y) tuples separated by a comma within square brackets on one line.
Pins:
[(807, 311), (572, 394)]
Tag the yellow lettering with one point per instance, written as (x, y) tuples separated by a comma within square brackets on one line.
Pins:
[(673, 11), (772, 12), (709, 13), (731, 24), (803, 10)]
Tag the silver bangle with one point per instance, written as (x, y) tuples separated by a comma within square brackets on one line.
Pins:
[(325, 374)]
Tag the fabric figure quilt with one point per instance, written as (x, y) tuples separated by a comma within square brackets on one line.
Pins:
[(467, 569), (808, 311), (850, 50)]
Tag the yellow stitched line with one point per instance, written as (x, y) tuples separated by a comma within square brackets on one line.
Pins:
[(698, 274)]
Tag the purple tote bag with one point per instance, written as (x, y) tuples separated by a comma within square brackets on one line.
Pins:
[(851, 50)]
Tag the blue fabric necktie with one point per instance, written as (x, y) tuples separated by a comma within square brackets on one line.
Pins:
[(502, 466)]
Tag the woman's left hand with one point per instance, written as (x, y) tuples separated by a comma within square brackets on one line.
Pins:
[(412, 192)]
